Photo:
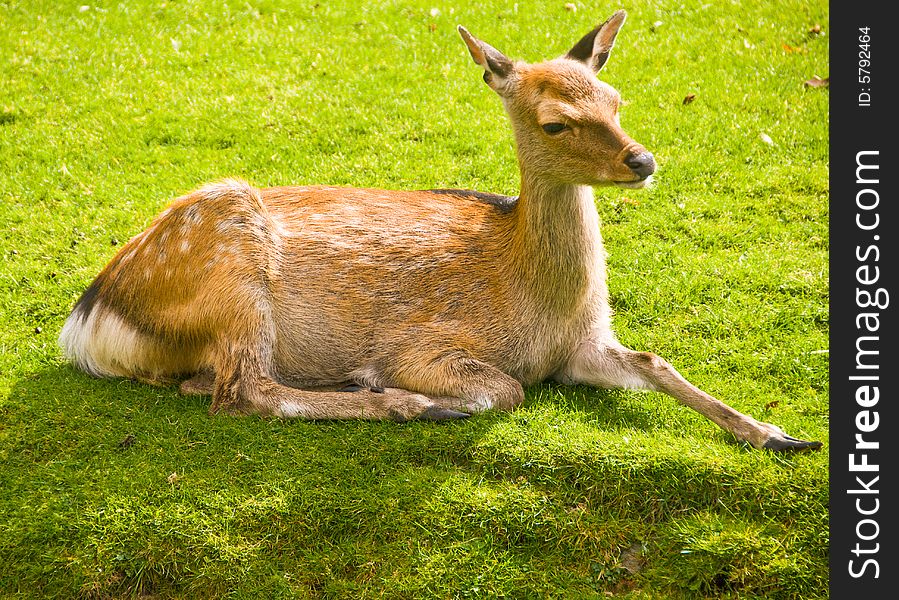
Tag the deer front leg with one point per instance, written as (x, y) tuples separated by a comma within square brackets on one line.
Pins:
[(614, 366)]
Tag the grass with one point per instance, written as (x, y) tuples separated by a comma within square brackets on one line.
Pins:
[(116, 489)]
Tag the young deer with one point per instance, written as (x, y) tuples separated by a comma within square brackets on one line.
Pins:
[(339, 303)]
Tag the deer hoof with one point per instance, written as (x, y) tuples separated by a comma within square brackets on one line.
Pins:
[(438, 413), (785, 443), (353, 387)]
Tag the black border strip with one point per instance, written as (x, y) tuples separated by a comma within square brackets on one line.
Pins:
[(866, 125)]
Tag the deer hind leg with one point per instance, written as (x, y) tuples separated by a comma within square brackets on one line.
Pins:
[(608, 366), (457, 381), (245, 384)]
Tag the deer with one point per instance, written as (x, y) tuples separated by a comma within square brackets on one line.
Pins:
[(319, 302)]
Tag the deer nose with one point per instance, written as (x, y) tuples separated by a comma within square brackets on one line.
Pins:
[(643, 164)]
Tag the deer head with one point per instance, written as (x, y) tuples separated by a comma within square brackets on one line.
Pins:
[(566, 121)]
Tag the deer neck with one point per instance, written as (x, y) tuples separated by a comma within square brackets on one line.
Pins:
[(559, 243)]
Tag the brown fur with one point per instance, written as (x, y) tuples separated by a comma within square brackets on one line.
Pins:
[(273, 299)]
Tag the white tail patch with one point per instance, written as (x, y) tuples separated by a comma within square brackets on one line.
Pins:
[(102, 344)]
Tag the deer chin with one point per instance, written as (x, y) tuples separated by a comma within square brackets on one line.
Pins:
[(635, 185)]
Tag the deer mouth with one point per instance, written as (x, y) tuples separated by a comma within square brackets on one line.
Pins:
[(635, 185)]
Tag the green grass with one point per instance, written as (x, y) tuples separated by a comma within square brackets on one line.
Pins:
[(112, 488)]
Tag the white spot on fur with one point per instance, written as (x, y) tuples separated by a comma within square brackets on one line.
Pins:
[(185, 245), (292, 410), (278, 228), (146, 250), (192, 215)]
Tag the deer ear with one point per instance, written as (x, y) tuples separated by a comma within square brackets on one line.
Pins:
[(497, 67), (594, 48)]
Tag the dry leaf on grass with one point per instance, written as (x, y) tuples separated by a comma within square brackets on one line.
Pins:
[(794, 49), (817, 82)]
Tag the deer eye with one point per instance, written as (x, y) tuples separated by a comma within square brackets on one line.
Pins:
[(554, 128)]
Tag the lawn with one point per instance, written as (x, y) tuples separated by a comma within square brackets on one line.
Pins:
[(111, 488)]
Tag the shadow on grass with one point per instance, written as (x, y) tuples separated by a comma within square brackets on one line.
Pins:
[(116, 487)]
